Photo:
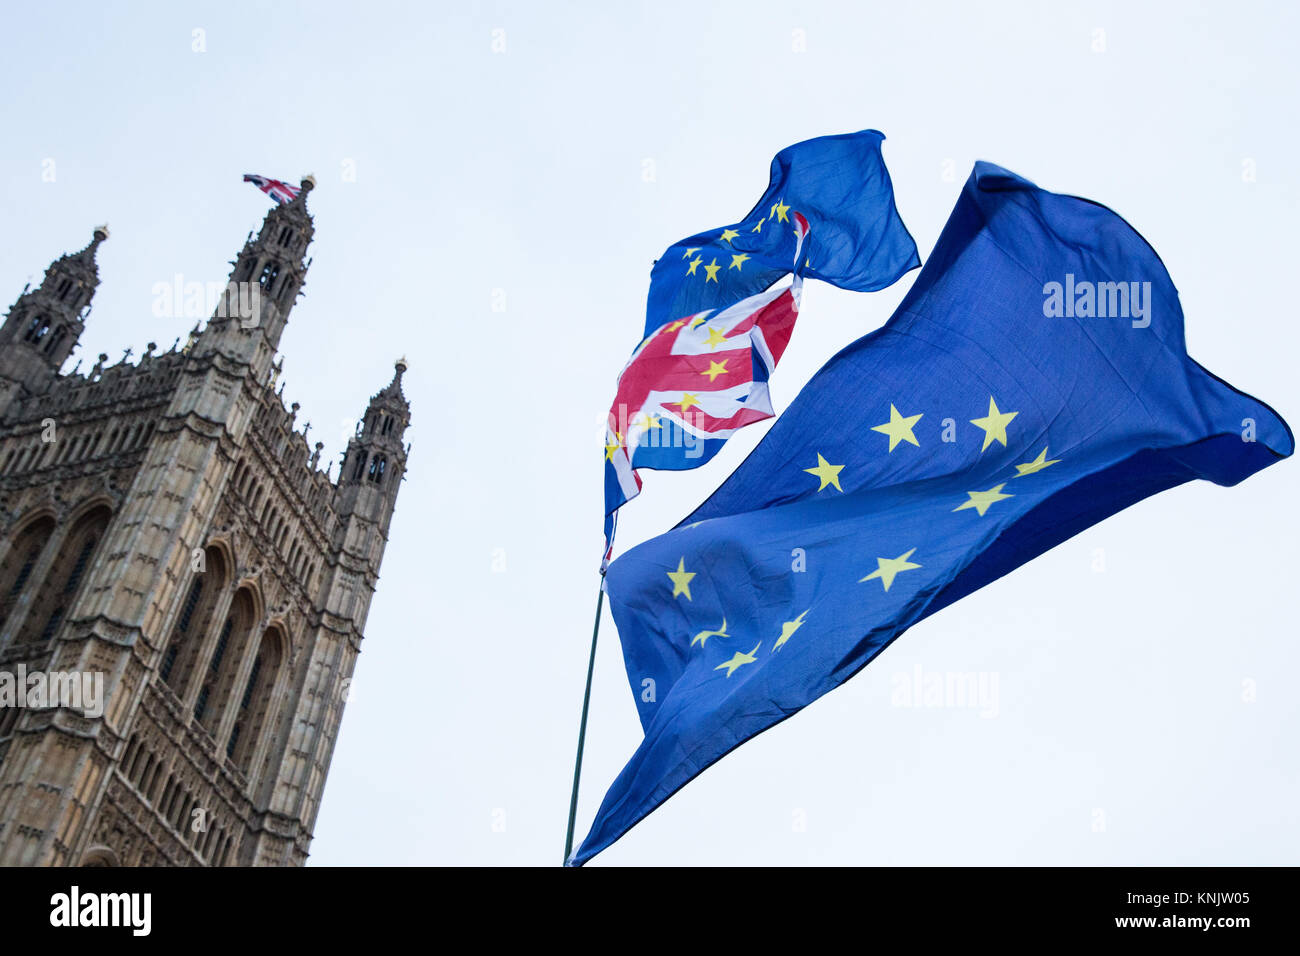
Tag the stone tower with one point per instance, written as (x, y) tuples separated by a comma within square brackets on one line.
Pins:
[(167, 535)]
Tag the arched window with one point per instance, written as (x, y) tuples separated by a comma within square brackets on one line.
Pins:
[(193, 623), (37, 328), (55, 339), (16, 570), (361, 465), (58, 592), (377, 465), (267, 278), (223, 666), (100, 856), (256, 707)]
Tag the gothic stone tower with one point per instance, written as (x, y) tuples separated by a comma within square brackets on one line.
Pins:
[(165, 526)]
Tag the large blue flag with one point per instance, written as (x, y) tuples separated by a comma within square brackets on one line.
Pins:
[(1033, 382), (857, 240)]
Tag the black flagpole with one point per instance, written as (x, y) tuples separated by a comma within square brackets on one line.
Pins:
[(582, 728)]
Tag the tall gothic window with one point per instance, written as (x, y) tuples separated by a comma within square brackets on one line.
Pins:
[(20, 561), (223, 666), (58, 592), (255, 704), (269, 272), (193, 623)]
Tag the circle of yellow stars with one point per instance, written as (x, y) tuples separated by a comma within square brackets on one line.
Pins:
[(780, 212), (899, 430)]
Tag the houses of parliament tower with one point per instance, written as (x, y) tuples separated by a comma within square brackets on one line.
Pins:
[(164, 523)]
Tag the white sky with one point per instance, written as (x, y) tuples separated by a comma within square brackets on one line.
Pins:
[(1120, 692)]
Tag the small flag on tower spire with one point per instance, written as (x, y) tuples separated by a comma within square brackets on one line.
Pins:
[(280, 191)]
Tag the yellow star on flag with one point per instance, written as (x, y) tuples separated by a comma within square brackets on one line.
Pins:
[(738, 659), (703, 636), (699, 320), (681, 579), (738, 260), (1038, 464), (716, 337), (898, 428), (674, 326), (690, 252), (781, 209), (712, 269), (887, 568), (828, 473), (691, 270), (716, 368), (994, 424), (728, 235), (650, 420), (759, 227), (611, 446), (788, 628), (688, 401), (982, 500)]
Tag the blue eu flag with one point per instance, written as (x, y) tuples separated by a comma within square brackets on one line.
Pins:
[(857, 240), (1033, 382)]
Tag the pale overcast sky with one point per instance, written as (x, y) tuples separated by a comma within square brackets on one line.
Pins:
[(517, 169)]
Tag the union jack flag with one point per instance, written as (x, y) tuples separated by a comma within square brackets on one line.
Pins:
[(693, 383), (277, 190)]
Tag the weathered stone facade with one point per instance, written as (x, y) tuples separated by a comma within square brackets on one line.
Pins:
[(165, 525)]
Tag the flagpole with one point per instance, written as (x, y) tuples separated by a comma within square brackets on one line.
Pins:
[(582, 727)]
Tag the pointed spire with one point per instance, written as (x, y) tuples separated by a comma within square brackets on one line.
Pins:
[(44, 325), (393, 390), (296, 207), (272, 264), (86, 256)]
